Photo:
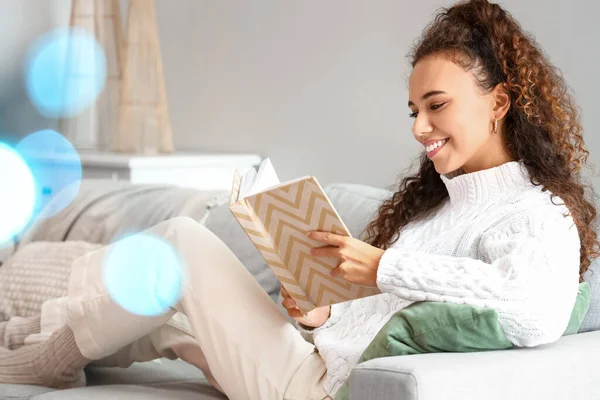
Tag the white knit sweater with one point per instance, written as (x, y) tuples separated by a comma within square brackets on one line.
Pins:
[(498, 242)]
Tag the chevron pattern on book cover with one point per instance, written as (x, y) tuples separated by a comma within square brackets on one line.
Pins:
[(277, 220)]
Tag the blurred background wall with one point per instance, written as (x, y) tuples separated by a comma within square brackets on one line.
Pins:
[(318, 86)]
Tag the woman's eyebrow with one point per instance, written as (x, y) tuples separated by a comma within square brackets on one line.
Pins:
[(427, 95)]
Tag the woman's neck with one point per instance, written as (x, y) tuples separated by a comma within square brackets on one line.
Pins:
[(493, 154)]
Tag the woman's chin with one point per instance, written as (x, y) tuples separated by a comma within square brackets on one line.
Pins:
[(444, 167), (441, 167)]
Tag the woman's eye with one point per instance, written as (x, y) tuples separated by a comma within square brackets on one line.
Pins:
[(432, 107)]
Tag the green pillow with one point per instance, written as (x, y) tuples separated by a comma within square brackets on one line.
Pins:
[(434, 327), (581, 306)]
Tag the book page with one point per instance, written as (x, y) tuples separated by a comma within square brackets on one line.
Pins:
[(265, 178), (247, 181)]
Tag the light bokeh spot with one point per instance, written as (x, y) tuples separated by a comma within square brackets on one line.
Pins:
[(17, 201), (56, 168), (143, 274), (65, 72)]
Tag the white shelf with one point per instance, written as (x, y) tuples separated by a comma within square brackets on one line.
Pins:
[(186, 160), (203, 171)]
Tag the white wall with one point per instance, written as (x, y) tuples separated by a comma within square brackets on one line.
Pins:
[(20, 23), (319, 86)]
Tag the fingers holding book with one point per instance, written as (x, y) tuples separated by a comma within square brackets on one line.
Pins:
[(313, 319), (287, 302), (359, 260)]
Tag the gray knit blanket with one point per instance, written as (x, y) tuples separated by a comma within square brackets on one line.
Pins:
[(104, 210)]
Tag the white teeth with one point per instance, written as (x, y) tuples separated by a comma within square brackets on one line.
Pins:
[(435, 145)]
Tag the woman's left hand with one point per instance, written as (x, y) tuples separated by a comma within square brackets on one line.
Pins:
[(359, 260)]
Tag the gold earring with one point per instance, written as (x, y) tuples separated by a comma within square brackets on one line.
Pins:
[(495, 126)]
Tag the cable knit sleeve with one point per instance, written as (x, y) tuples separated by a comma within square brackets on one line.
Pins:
[(527, 271), (337, 310)]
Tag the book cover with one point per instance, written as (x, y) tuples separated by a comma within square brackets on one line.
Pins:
[(276, 220)]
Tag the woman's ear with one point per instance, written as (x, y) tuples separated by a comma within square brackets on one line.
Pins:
[(501, 100)]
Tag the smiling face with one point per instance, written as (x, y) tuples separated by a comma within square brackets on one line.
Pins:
[(453, 118)]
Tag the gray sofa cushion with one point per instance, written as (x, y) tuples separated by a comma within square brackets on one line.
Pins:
[(172, 379), (152, 372), (591, 321), (565, 370), (21, 392), (170, 391), (166, 379), (356, 204)]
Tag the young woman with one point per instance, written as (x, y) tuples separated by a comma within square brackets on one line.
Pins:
[(496, 217)]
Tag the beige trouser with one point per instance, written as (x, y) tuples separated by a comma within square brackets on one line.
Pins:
[(236, 334)]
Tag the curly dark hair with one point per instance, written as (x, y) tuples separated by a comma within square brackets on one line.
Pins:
[(542, 126)]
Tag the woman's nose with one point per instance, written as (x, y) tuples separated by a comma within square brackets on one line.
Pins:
[(421, 127)]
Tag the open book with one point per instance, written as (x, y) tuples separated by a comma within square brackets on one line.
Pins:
[(276, 217)]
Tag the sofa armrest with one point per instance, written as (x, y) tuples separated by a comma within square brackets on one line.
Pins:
[(567, 369)]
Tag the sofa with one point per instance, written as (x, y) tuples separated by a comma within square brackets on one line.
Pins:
[(104, 210)]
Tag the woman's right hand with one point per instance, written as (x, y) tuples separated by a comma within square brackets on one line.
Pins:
[(313, 319)]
